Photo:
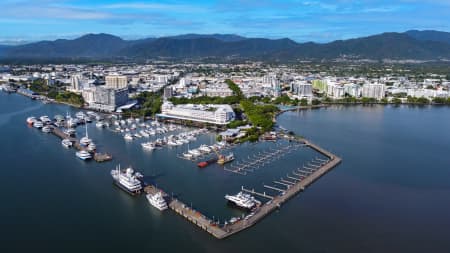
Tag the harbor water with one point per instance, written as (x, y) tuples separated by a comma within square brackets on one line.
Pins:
[(390, 194)]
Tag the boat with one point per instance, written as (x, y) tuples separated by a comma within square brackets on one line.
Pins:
[(128, 137), (31, 120), (157, 201), (67, 143), (206, 163), (91, 147), (127, 180), (83, 155), (204, 148), (47, 129), (243, 200), (85, 140), (225, 159), (194, 152), (188, 155), (144, 133), (38, 124), (148, 145), (172, 143), (100, 124), (70, 132)]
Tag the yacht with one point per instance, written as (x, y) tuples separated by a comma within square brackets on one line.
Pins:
[(225, 158), (91, 147), (67, 143), (243, 200), (194, 152), (188, 155), (172, 143), (157, 201), (204, 148), (127, 180), (100, 124), (128, 137), (83, 155), (70, 132), (38, 124), (144, 133), (47, 129), (31, 120), (85, 140), (148, 145)]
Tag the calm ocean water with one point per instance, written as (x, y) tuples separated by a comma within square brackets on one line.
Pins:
[(390, 194)]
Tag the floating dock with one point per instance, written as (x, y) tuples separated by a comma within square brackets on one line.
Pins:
[(275, 202)]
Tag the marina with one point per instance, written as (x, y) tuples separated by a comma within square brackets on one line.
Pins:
[(221, 231)]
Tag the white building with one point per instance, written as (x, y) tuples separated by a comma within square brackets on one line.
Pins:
[(215, 114), (116, 82), (352, 89), (75, 83), (335, 91), (373, 90), (302, 89)]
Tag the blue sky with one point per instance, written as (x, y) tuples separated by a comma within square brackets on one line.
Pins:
[(301, 20)]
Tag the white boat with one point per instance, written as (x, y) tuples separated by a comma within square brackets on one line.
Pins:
[(70, 132), (144, 133), (172, 143), (148, 145), (100, 124), (243, 200), (85, 140), (128, 137), (83, 155), (127, 180), (47, 129), (38, 124), (91, 147), (204, 148), (66, 143), (188, 155), (31, 120), (157, 201), (194, 152)]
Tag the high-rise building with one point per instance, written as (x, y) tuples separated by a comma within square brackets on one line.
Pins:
[(168, 92), (301, 89), (373, 90), (75, 83), (105, 99), (116, 82)]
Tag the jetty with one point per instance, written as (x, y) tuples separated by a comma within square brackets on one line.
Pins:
[(98, 157), (300, 181)]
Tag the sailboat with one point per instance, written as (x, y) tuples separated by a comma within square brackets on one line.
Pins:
[(85, 140)]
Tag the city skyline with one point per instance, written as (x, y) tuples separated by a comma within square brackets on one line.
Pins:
[(320, 21)]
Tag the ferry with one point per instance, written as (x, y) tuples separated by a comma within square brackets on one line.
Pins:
[(243, 200), (83, 155), (127, 180), (157, 201)]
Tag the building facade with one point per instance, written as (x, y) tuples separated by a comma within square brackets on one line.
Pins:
[(214, 114), (116, 82)]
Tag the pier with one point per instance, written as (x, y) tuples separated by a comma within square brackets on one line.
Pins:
[(299, 184), (98, 157)]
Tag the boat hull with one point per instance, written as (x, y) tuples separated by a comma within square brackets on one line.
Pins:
[(132, 193)]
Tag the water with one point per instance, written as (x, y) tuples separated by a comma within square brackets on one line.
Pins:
[(390, 194)]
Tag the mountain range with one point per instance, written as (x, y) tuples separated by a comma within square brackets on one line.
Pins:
[(414, 44)]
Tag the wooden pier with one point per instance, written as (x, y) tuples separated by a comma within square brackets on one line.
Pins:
[(98, 157), (275, 202)]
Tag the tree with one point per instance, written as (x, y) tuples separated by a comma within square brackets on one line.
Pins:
[(316, 102), (396, 101), (303, 102)]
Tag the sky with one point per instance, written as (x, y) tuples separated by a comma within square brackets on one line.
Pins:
[(301, 20)]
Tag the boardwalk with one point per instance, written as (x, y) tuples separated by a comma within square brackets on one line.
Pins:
[(275, 202)]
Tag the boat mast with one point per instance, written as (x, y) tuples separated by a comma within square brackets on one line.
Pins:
[(86, 130)]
